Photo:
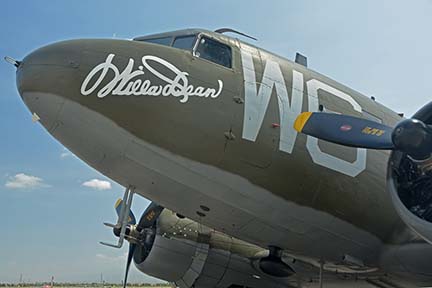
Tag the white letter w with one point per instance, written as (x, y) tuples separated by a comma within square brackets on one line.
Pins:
[(256, 103)]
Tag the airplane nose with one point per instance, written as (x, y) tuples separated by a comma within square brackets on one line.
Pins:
[(43, 76)]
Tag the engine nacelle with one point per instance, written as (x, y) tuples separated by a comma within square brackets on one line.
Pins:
[(410, 185), (192, 255)]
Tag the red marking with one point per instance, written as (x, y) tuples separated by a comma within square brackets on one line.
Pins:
[(275, 125), (345, 128)]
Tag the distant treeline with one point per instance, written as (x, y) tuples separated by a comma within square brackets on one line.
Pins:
[(106, 285)]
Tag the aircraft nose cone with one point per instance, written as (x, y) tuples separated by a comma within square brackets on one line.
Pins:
[(44, 75)]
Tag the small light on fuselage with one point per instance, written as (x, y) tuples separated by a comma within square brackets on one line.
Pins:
[(256, 276)]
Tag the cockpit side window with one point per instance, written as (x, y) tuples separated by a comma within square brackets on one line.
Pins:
[(214, 51), (185, 42), (161, 41)]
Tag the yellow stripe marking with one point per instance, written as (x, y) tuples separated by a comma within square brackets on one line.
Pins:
[(119, 201), (301, 120)]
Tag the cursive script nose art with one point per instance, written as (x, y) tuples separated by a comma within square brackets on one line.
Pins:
[(129, 82)]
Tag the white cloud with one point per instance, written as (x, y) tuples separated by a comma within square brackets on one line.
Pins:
[(24, 181), (97, 184), (66, 153)]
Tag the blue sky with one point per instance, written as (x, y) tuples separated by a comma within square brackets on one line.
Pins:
[(51, 223)]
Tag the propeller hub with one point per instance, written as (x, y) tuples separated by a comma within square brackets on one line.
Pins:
[(412, 136), (139, 235)]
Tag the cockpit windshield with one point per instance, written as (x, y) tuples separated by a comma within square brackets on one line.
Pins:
[(207, 48), (185, 42), (182, 42), (161, 40)]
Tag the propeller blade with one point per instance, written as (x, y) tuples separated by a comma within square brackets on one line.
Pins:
[(128, 262), (149, 216), (118, 206), (345, 130)]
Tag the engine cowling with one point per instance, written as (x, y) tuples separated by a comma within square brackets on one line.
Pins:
[(191, 255), (409, 182)]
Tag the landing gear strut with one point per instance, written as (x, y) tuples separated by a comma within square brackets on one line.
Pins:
[(123, 218), (321, 273)]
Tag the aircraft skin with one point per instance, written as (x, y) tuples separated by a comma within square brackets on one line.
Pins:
[(192, 140)]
